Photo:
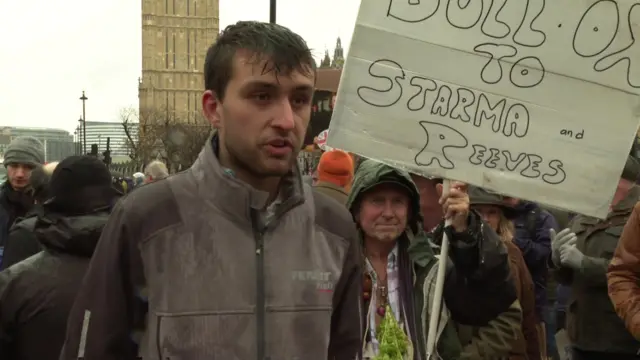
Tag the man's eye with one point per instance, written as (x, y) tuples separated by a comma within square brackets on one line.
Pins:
[(262, 96), (300, 101)]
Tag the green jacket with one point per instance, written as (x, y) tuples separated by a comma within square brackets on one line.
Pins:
[(480, 259), (592, 323)]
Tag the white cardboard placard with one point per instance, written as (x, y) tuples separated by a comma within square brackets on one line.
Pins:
[(535, 99)]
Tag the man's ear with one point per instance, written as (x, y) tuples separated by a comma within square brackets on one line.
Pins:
[(211, 108), (439, 189)]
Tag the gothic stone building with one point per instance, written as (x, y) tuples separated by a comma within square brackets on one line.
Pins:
[(175, 37)]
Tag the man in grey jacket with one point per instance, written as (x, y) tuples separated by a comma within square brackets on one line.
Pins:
[(235, 258)]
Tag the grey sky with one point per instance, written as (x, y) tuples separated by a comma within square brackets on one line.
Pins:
[(52, 50)]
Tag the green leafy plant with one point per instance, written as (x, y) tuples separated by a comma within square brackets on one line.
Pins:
[(394, 343)]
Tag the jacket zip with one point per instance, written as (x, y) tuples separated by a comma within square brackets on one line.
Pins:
[(261, 306)]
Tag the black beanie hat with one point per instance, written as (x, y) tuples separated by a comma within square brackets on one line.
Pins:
[(80, 184)]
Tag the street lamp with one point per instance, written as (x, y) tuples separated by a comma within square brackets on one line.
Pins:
[(272, 12), (84, 98), (78, 143), (80, 135)]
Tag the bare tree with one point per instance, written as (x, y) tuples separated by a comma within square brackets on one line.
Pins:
[(130, 125), (160, 134)]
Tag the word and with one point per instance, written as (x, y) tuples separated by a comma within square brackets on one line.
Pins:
[(444, 143), (569, 133), (465, 105), (598, 31)]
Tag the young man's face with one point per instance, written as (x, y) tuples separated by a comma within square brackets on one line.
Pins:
[(263, 117), (18, 175)]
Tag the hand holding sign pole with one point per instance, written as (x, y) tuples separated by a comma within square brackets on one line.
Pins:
[(434, 318)]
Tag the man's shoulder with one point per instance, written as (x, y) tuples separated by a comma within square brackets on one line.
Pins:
[(147, 191), (159, 192), (150, 208), (332, 215)]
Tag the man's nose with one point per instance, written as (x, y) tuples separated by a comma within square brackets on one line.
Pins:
[(387, 210), (21, 172), (284, 118)]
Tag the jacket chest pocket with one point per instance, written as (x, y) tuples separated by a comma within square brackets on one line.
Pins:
[(609, 245), (600, 243), (204, 335)]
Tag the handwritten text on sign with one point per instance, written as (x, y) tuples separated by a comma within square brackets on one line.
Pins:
[(534, 99)]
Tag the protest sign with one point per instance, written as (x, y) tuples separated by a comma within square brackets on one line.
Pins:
[(534, 99)]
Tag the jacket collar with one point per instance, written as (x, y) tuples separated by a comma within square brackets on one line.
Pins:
[(328, 185), (220, 187), (629, 201)]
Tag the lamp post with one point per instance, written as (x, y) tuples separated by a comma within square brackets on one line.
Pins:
[(78, 143), (75, 142), (81, 137), (272, 12), (84, 98)]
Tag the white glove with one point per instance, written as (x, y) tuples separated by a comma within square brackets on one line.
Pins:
[(571, 257), (564, 237)]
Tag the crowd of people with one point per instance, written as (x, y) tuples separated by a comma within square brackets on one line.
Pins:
[(242, 257)]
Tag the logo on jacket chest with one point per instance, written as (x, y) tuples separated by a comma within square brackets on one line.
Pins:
[(321, 280)]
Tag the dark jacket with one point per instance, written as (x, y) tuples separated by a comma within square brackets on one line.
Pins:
[(36, 294), (487, 329), (479, 267), (535, 244), (21, 243), (13, 205), (592, 323), (185, 272)]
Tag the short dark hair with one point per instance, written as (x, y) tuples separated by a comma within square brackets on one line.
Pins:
[(285, 50)]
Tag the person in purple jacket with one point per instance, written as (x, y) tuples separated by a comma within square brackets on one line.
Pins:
[(532, 236)]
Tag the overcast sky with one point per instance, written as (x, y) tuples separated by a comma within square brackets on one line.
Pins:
[(52, 50)]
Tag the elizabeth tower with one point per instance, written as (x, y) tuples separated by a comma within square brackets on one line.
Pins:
[(175, 37)]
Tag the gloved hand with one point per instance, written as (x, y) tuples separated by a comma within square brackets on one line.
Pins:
[(571, 257), (564, 237)]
